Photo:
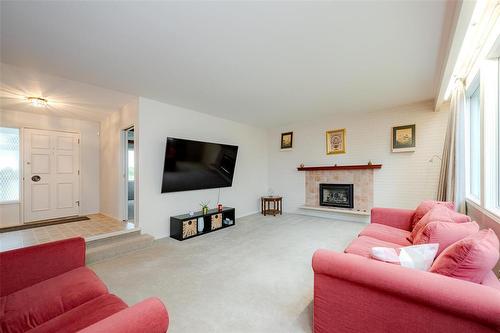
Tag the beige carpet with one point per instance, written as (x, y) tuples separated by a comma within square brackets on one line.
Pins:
[(253, 277)]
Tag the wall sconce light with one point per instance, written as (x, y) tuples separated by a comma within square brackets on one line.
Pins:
[(435, 157)]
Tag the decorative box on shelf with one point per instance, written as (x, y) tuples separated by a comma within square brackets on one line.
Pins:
[(216, 221), (186, 226)]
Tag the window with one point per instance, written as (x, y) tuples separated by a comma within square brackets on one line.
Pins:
[(498, 135), (474, 144), (9, 164), (130, 161)]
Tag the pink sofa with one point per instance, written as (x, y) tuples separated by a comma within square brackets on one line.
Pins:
[(48, 288), (353, 293)]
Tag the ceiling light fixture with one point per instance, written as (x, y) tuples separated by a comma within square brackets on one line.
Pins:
[(38, 102)]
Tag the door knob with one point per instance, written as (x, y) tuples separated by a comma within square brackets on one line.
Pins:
[(36, 178)]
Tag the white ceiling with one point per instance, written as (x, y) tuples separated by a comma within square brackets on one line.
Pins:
[(66, 98), (264, 63)]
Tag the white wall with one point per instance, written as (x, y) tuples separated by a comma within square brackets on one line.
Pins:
[(89, 156), (156, 122), (405, 178), (112, 180), (10, 214)]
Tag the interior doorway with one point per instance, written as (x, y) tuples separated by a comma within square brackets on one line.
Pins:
[(129, 173)]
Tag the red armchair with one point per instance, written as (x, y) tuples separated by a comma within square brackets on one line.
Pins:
[(353, 293), (48, 288)]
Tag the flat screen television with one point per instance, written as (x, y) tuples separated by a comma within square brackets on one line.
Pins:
[(195, 165)]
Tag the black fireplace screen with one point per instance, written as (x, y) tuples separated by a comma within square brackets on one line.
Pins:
[(336, 195)]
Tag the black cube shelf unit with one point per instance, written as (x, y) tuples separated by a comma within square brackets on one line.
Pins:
[(186, 226)]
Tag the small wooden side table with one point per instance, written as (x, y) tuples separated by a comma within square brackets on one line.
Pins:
[(277, 205)]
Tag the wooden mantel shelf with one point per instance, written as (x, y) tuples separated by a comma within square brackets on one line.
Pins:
[(340, 167)]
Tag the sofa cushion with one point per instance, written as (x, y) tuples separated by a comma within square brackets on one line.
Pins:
[(362, 246), (30, 307), (386, 233), (83, 316), (491, 280), (438, 213), (444, 233), (425, 206), (469, 259)]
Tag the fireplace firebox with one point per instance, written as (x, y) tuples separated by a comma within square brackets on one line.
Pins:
[(336, 195)]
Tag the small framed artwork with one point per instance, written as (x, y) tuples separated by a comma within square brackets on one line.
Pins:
[(287, 140), (335, 142), (403, 138)]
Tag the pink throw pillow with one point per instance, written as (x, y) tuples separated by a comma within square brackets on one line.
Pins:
[(426, 206), (438, 213), (444, 233), (469, 259)]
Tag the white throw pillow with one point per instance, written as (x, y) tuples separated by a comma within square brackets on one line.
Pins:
[(387, 254), (418, 256)]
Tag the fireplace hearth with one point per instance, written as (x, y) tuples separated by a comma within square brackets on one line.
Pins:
[(336, 195)]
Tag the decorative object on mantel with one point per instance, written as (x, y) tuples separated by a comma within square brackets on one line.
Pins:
[(204, 207), (340, 167), (369, 163), (403, 138), (287, 140), (335, 142), (301, 165)]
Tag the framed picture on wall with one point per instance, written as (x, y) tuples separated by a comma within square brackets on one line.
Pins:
[(287, 140), (335, 142), (403, 138)]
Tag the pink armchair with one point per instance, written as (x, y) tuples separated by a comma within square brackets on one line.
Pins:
[(353, 293), (48, 288)]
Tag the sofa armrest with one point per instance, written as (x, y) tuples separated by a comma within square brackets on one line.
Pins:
[(386, 291), (394, 217), (21, 268), (149, 316)]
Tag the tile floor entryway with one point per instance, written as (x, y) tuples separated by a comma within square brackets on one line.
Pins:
[(98, 225)]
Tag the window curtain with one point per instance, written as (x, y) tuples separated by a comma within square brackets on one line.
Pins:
[(451, 185)]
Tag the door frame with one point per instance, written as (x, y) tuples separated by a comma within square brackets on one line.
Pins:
[(124, 172), (22, 215)]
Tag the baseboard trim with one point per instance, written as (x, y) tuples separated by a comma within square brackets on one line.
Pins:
[(247, 214)]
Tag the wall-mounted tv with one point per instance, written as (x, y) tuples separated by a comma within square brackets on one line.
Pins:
[(195, 165)]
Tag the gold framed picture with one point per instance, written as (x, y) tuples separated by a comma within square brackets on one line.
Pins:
[(403, 138), (335, 142), (287, 140)]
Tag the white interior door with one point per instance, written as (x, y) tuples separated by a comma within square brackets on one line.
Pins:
[(51, 174)]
